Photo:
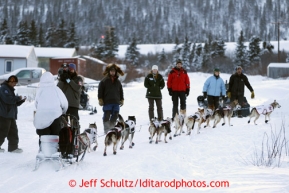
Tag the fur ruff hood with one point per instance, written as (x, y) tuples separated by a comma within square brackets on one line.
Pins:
[(116, 67)]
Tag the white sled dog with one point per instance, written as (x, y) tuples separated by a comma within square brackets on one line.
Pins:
[(228, 111), (113, 135), (89, 137), (129, 130), (263, 109), (179, 122)]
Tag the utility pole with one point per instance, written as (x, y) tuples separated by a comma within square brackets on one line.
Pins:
[(278, 26)]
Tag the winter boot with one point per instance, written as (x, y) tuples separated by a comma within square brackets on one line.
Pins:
[(106, 126), (18, 150)]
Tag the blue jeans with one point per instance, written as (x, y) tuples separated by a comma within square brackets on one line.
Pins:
[(110, 112)]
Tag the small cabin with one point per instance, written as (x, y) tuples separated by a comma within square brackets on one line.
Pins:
[(278, 70)]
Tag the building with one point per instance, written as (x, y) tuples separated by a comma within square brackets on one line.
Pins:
[(45, 54), (278, 70), (13, 57)]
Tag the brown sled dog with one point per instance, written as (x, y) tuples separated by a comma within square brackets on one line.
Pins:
[(113, 135), (227, 112), (265, 110)]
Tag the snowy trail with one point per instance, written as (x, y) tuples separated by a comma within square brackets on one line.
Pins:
[(218, 154)]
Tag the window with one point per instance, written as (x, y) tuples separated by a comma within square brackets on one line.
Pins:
[(8, 66), (24, 74)]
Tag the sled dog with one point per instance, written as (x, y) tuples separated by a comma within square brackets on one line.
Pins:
[(113, 135), (179, 122), (129, 130), (165, 127), (265, 110), (190, 122), (89, 137), (227, 112), (158, 127)]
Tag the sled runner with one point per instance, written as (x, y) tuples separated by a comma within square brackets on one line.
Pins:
[(66, 149)]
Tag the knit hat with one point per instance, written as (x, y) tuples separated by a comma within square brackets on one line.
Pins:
[(217, 70), (238, 67), (13, 78), (179, 61), (155, 67), (72, 66)]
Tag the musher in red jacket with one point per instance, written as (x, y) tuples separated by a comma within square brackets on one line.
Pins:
[(179, 87)]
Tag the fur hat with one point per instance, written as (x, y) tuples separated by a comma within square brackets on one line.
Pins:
[(113, 66), (155, 67)]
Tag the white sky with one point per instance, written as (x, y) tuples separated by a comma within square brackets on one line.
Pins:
[(220, 154)]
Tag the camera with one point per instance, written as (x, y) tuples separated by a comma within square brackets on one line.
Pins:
[(63, 72)]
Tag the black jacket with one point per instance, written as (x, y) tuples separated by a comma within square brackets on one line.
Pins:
[(72, 90), (237, 84), (110, 90), (9, 101), (154, 84)]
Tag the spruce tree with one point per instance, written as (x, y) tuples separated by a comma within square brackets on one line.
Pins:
[(72, 40), (4, 34), (61, 33), (132, 53), (254, 49), (40, 41), (206, 57), (51, 38), (22, 33), (33, 34), (162, 58), (241, 58), (185, 52)]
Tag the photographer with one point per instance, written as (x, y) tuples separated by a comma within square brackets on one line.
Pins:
[(70, 84)]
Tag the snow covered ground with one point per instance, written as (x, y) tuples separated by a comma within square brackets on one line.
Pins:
[(222, 155)]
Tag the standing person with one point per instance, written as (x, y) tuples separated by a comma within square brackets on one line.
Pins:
[(214, 88), (110, 95), (50, 103), (154, 83), (236, 88), (179, 87), (8, 114), (70, 84)]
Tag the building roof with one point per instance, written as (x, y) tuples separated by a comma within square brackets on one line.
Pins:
[(15, 51), (94, 59), (54, 52), (279, 65)]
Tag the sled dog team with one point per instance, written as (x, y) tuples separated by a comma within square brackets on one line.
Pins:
[(123, 129)]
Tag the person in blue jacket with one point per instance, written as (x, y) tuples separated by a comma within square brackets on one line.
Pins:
[(214, 88)]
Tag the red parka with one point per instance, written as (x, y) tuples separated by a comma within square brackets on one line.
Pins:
[(178, 80)]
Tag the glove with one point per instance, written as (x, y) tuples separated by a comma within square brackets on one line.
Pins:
[(170, 91), (187, 91), (205, 94), (121, 103), (229, 94), (252, 95), (100, 102), (68, 80)]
